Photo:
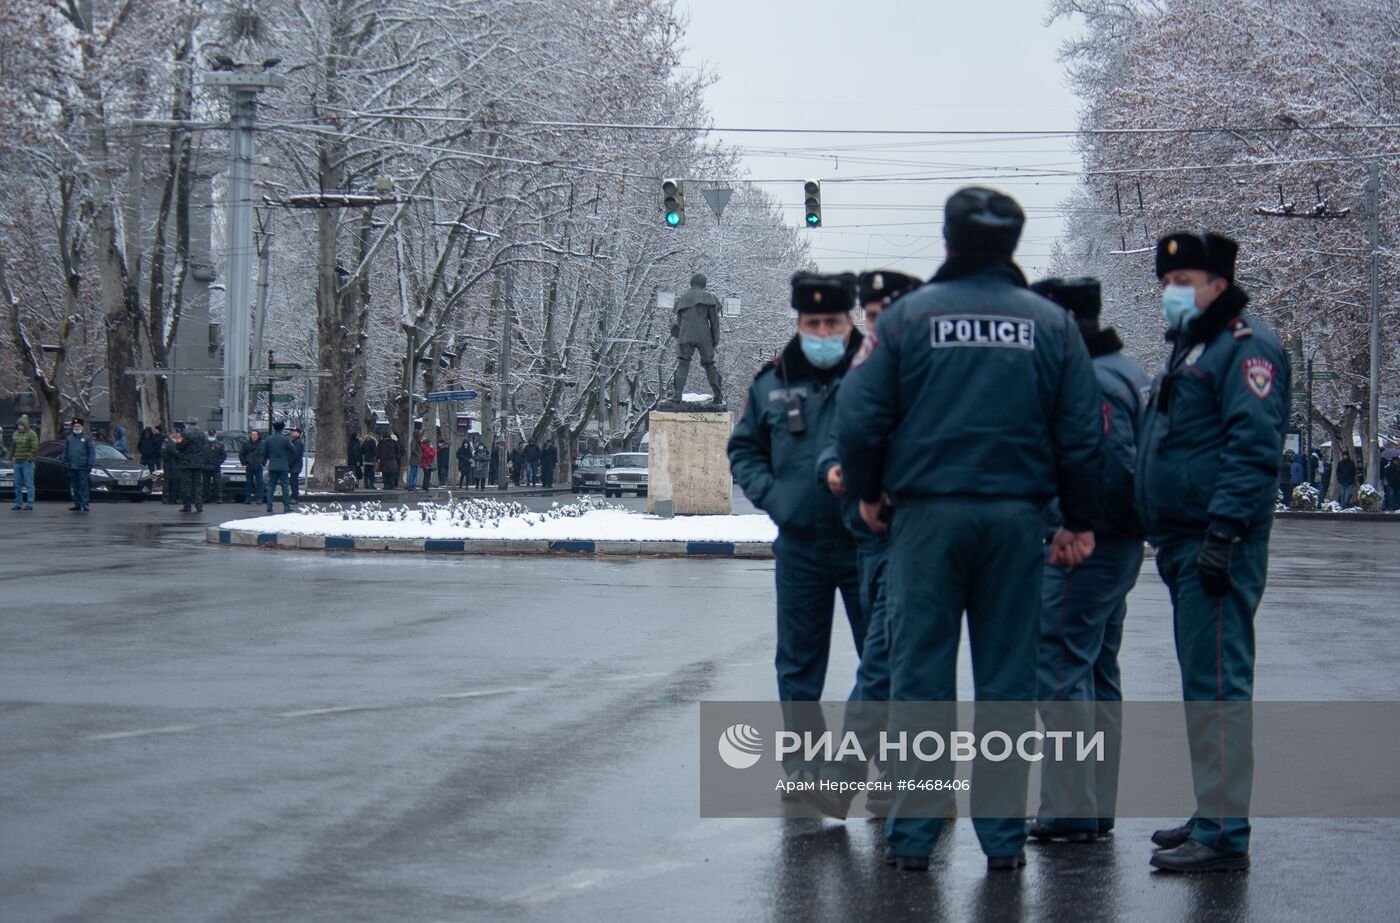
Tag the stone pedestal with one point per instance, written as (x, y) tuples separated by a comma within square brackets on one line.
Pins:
[(688, 464)]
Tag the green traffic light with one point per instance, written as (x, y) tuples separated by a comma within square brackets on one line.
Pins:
[(814, 220), (673, 218)]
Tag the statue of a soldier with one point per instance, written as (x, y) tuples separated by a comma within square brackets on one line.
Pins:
[(697, 328)]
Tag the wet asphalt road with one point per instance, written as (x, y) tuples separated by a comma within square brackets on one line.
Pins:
[(209, 733)]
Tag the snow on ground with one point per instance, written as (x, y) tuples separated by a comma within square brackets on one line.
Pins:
[(598, 525)]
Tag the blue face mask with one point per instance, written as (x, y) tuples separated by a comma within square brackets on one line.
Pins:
[(824, 352), (1179, 306)]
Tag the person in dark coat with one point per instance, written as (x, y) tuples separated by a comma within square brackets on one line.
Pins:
[(253, 455), (517, 464), (444, 461), (464, 462), (191, 463), (1390, 475), (493, 472), (299, 448), (215, 454), (280, 455), (390, 454), (369, 457), (481, 463), (1346, 480), (549, 460), (532, 463), (170, 464), (148, 449), (79, 452)]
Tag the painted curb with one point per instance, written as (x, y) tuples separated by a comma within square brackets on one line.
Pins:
[(491, 546)]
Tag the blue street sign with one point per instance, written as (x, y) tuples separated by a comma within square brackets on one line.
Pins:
[(444, 397)]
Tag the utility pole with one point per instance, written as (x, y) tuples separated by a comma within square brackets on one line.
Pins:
[(264, 257), (244, 83), (1373, 418)]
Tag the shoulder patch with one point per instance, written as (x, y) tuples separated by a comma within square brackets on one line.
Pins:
[(1240, 328), (1259, 375)]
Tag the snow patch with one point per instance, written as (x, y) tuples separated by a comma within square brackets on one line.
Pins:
[(612, 524)]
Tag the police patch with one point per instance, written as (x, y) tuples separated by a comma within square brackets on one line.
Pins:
[(1259, 375), (951, 330)]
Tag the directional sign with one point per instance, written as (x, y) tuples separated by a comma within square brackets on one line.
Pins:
[(444, 397), (717, 199), (282, 398), (1325, 376)]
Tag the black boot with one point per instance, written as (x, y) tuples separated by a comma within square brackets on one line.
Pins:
[(1043, 831), (1195, 856), (1172, 837)]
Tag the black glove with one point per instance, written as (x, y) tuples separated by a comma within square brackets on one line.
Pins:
[(1213, 564)]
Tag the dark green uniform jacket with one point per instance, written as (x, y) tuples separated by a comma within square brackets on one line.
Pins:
[(1214, 428), (774, 463), (975, 386)]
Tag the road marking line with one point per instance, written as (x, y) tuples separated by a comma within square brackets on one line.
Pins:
[(628, 676), (479, 693), (145, 732), (308, 712)]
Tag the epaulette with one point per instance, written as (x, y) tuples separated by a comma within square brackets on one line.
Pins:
[(770, 364), (1240, 328)]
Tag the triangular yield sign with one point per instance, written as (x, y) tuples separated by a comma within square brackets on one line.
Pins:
[(717, 199)]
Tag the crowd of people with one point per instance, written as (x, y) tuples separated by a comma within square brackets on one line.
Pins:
[(529, 463), (1298, 468)]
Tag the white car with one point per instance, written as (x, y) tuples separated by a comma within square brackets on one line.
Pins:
[(627, 472)]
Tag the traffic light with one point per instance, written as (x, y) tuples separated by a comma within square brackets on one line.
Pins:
[(673, 202), (812, 191)]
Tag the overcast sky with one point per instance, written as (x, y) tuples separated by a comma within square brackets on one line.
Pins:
[(882, 64)]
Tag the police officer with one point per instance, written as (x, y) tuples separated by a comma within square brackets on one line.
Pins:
[(773, 454), (1206, 475), (1083, 608), (975, 406), (865, 715), (191, 463)]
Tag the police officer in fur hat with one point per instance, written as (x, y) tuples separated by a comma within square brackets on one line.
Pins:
[(773, 454), (975, 406), (1083, 607), (1207, 474)]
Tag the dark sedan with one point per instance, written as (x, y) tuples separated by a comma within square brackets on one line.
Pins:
[(114, 476), (589, 473)]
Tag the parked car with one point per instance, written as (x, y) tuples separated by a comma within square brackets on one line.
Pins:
[(232, 476), (113, 477), (628, 471), (589, 472)]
